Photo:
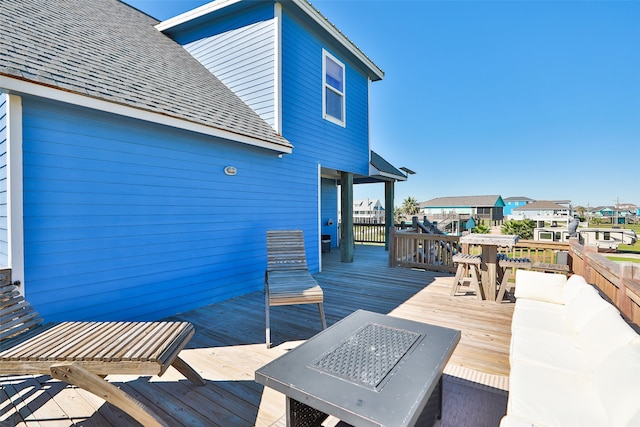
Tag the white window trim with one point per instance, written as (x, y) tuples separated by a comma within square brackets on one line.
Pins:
[(326, 116)]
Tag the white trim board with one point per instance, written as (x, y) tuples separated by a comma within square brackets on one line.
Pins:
[(15, 214), (16, 86)]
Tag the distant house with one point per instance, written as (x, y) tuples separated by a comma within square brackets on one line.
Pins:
[(543, 211), (618, 214), (510, 203), (134, 167), (368, 211), (462, 208)]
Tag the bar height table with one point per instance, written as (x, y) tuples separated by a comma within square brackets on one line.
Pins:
[(489, 265), (368, 369)]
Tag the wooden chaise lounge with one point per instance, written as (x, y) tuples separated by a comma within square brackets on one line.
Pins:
[(83, 353), (287, 279)]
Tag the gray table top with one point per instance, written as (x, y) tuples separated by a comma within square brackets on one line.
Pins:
[(369, 369), (490, 239)]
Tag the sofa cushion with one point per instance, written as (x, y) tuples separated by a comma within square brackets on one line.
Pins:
[(550, 397), (541, 316), (574, 286), (550, 349), (583, 307), (540, 286), (604, 333), (617, 383), (513, 421)]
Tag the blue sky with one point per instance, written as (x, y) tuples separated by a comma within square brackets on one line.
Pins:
[(517, 98)]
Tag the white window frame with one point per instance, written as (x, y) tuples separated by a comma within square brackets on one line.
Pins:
[(326, 86)]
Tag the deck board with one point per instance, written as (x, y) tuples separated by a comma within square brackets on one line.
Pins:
[(229, 346)]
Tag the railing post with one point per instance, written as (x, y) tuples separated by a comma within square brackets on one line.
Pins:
[(392, 246), (586, 266), (624, 302)]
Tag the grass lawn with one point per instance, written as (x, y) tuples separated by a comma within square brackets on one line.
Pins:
[(635, 248), (623, 259)]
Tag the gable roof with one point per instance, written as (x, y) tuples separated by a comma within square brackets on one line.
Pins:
[(464, 202), (105, 54), (303, 7), (544, 205), (370, 204), (518, 199)]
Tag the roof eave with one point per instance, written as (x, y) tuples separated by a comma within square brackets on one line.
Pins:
[(375, 73), (198, 12), (18, 86)]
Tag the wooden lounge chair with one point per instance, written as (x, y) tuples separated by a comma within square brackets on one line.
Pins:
[(82, 353), (287, 279)]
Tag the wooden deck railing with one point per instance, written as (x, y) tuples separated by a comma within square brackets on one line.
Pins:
[(620, 282), (368, 233), (421, 250), (546, 252), (433, 252)]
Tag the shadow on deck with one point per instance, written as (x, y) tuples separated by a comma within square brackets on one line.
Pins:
[(229, 346)]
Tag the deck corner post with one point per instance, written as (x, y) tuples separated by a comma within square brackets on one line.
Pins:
[(392, 246), (346, 228), (389, 214)]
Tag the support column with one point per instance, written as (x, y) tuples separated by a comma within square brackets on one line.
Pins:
[(15, 214), (346, 219), (388, 211)]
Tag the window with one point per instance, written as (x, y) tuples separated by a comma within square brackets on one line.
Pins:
[(333, 96), (545, 236)]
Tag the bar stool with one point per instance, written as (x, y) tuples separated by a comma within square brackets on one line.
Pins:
[(507, 266), (468, 270)]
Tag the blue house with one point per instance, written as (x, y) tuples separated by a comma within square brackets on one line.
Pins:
[(140, 175), (511, 203)]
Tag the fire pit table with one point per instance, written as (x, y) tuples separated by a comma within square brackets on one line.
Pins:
[(369, 369)]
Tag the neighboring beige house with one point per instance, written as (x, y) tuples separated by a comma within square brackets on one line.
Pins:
[(543, 211), (368, 211)]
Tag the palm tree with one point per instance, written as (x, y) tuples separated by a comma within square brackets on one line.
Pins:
[(521, 227), (410, 207)]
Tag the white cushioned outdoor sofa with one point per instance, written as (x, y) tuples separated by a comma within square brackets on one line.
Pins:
[(574, 360)]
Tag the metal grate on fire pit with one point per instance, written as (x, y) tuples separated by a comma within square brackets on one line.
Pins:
[(368, 355)]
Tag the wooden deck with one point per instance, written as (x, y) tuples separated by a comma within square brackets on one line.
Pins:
[(229, 346)]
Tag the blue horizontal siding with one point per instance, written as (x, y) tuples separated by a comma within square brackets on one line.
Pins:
[(329, 209), (4, 245), (126, 220), (314, 138), (239, 50)]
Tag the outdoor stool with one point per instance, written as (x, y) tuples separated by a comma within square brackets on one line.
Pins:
[(468, 270), (507, 266), (550, 268)]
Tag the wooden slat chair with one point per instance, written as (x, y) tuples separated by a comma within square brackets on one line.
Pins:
[(468, 271), (83, 353), (287, 279), (508, 266)]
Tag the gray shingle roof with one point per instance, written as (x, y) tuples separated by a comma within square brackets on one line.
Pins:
[(384, 166), (108, 50), (540, 205), (461, 201), (517, 199)]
